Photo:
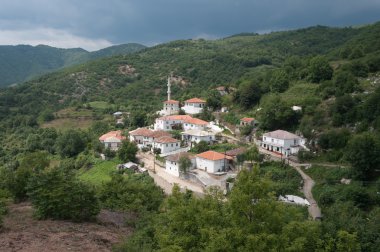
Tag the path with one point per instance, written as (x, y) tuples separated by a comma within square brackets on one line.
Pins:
[(165, 180), (308, 183)]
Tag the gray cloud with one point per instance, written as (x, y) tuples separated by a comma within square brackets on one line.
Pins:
[(153, 21)]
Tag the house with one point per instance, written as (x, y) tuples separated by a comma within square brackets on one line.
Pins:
[(212, 162), (194, 123), (245, 121), (166, 144), (196, 135), (172, 162), (194, 106), (171, 107), (151, 137), (170, 122), (282, 142), (222, 90), (138, 136), (112, 139)]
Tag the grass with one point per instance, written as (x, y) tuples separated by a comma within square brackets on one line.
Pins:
[(100, 173), (99, 104), (68, 123)]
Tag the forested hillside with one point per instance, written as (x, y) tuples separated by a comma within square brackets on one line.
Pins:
[(332, 74), (22, 62)]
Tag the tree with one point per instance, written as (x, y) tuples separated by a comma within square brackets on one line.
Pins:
[(347, 242), (184, 164), (59, 195), (214, 100), (345, 82), (363, 152), (248, 94), (127, 151), (200, 147), (70, 143), (279, 81), (253, 154), (320, 69), (276, 114)]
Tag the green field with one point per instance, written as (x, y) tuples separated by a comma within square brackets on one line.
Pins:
[(101, 172), (99, 104)]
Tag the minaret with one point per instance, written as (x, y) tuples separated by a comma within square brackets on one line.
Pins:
[(169, 92)]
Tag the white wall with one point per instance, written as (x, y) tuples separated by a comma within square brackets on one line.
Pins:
[(172, 168), (209, 165), (166, 125), (167, 147), (189, 126), (197, 139), (284, 146)]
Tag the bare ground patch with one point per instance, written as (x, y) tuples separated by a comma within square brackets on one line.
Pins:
[(22, 232)]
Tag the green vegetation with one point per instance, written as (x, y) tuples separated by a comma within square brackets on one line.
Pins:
[(16, 61), (99, 173)]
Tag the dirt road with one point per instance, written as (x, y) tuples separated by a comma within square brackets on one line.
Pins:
[(308, 183), (22, 232), (165, 180)]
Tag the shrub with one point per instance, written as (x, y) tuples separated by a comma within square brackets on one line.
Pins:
[(58, 195)]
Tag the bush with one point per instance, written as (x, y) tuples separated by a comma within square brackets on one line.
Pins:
[(58, 195)]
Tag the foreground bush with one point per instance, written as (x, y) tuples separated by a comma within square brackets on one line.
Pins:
[(58, 195)]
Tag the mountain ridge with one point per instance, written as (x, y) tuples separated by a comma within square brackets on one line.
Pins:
[(22, 62)]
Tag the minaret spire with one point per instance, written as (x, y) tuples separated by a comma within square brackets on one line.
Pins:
[(169, 85)]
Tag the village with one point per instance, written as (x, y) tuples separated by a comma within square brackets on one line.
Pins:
[(169, 161)]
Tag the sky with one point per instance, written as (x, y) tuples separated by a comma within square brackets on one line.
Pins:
[(95, 24)]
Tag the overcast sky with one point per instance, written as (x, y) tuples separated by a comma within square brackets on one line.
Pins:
[(95, 24)]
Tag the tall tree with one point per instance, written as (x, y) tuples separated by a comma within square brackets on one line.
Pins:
[(320, 69)]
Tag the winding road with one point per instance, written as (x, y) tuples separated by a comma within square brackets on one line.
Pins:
[(308, 183)]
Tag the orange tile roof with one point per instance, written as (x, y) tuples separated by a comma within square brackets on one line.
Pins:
[(171, 102), (247, 119), (166, 139), (195, 121), (195, 100), (159, 133), (116, 133), (140, 132), (213, 155)]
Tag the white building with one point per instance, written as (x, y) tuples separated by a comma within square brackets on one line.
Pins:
[(194, 123), (171, 107), (172, 163), (196, 135), (194, 106), (166, 144), (151, 137), (112, 139), (171, 122), (282, 142), (139, 136), (212, 162)]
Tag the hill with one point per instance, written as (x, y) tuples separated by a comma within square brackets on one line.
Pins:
[(22, 62)]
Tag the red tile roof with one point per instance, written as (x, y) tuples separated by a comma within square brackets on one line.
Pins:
[(166, 139), (171, 102), (195, 121), (159, 133), (247, 119), (116, 134), (141, 132), (281, 134), (213, 155), (195, 100)]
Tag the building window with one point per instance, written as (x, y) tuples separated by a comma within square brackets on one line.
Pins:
[(272, 140)]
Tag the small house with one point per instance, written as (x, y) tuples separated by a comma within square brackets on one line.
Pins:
[(194, 106), (212, 161), (172, 162), (247, 121), (282, 142), (171, 107), (194, 123), (171, 122), (139, 135), (166, 144), (112, 139), (196, 135)]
